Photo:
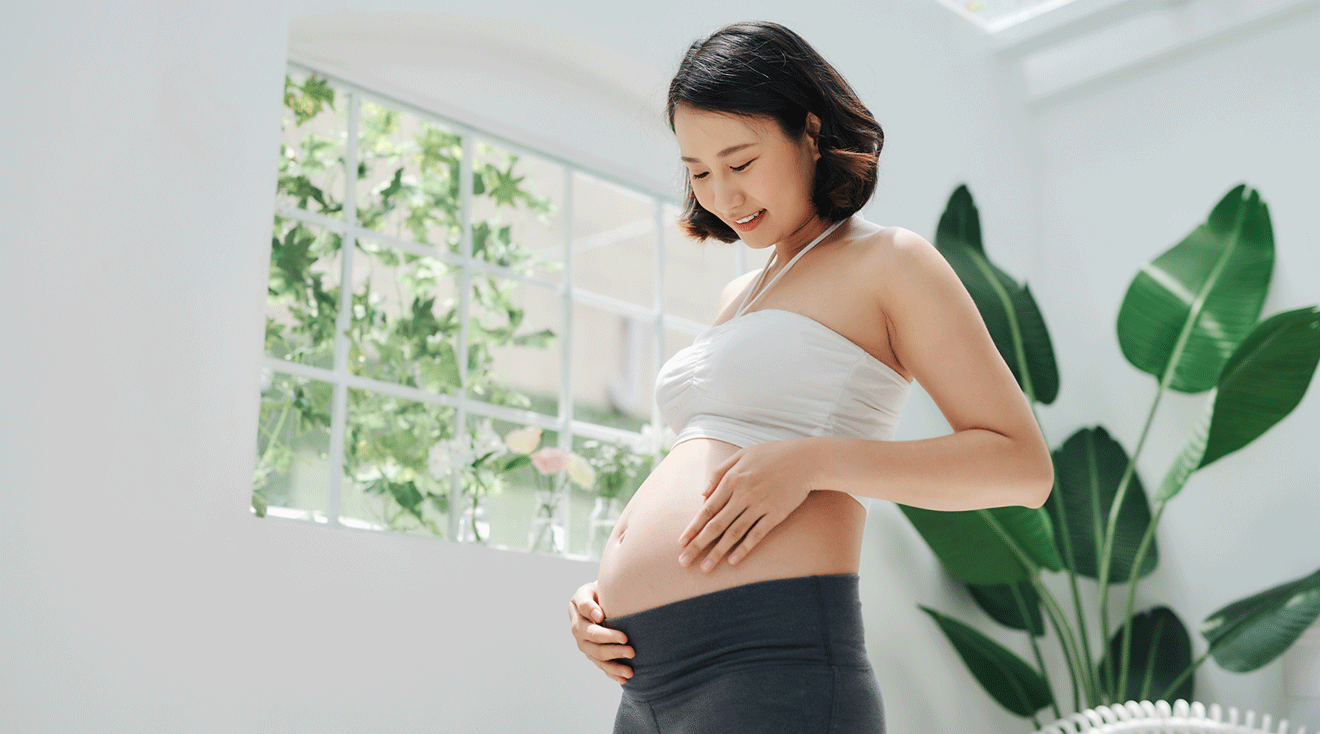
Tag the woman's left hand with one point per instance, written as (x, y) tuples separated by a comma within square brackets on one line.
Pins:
[(748, 495)]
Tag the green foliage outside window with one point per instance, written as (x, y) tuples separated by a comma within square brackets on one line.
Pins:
[(387, 439)]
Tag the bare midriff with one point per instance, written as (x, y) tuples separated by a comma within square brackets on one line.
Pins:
[(639, 566)]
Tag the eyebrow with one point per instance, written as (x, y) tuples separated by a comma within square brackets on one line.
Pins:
[(727, 151)]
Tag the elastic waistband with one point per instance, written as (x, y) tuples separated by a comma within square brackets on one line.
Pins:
[(806, 620)]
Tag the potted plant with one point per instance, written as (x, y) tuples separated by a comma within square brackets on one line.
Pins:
[(1191, 319)]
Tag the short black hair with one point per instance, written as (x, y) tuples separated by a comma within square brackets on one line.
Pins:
[(762, 69)]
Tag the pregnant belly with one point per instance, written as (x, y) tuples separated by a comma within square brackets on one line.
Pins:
[(639, 566)]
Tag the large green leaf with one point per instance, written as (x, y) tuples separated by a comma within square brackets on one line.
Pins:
[(1008, 679), (972, 544), (1250, 633), (1262, 382), (1161, 650), (1087, 470), (997, 600), (1188, 309), (1008, 309)]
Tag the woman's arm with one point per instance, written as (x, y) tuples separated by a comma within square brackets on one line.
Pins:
[(996, 455)]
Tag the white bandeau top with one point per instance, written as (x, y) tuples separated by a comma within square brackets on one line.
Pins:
[(771, 375)]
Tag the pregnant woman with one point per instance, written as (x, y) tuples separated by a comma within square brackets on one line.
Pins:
[(727, 595)]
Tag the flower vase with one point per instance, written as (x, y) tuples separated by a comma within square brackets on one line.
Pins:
[(548, 533), (604, 516), (473, 525)]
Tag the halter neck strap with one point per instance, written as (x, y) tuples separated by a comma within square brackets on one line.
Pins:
[(745, 304)]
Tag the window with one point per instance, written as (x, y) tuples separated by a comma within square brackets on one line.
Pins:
[(516, 295)]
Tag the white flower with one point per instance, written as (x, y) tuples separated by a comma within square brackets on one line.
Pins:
[(651, 441), (524, 440), (667, 440), (488, 441), (446, 456), (581, 472)]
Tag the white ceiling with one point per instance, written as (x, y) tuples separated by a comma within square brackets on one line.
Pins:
[(1064, 45)]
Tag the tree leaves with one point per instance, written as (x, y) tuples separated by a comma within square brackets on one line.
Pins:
[(396, 332), (316, 94)]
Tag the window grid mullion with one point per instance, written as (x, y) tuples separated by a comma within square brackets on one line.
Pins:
[(343, 319), (464, 278), (566, 348)]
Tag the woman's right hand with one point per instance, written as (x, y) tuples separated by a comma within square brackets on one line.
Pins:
[(600, 644)]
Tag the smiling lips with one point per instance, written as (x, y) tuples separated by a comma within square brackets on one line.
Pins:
[(750, 223)]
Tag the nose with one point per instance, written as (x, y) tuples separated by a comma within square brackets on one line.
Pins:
[(727, 195)]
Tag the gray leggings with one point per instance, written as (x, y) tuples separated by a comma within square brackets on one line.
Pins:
[(785, 656)]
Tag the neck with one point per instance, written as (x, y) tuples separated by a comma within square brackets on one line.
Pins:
[(801, 237)]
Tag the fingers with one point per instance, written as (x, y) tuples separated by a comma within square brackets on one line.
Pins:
[(717, 526), (603, 646), (707, 511), (716, 479), (754, 536), (585, 628), (584, 603), (618, 672), (732, 536)]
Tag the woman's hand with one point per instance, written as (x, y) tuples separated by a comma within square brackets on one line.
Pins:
[(599, 644), (748, 495)]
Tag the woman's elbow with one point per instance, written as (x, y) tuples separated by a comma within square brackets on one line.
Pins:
[(1041, 484)]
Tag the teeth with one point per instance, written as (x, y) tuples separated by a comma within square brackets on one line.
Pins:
[(750, 218)]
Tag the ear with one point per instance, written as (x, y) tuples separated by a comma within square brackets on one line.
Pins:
[(813, 132)]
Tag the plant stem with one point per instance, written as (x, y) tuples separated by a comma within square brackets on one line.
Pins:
[(275, 434), (1031, 637), (1067, 640), (1108, 548), (476, 497), (1142, 548), (1188, 671), (1150, 660), (1069, 660), (1089, 682)]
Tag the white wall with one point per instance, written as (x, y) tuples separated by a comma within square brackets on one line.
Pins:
[(1132, 166), (138, 594)]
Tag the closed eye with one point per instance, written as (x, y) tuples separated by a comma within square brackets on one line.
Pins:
[(735, 168)]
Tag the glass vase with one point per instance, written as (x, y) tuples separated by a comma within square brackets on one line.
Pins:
[(604, 516), (473, 525), (549, 531)]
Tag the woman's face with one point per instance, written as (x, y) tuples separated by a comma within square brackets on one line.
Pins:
[(740, 166)]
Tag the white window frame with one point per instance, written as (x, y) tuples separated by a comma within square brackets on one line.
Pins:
[(566, 426)]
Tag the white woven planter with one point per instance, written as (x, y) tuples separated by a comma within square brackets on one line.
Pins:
[(1181, 718)]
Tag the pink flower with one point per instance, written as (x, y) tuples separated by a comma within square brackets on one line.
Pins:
[(550, 460)]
